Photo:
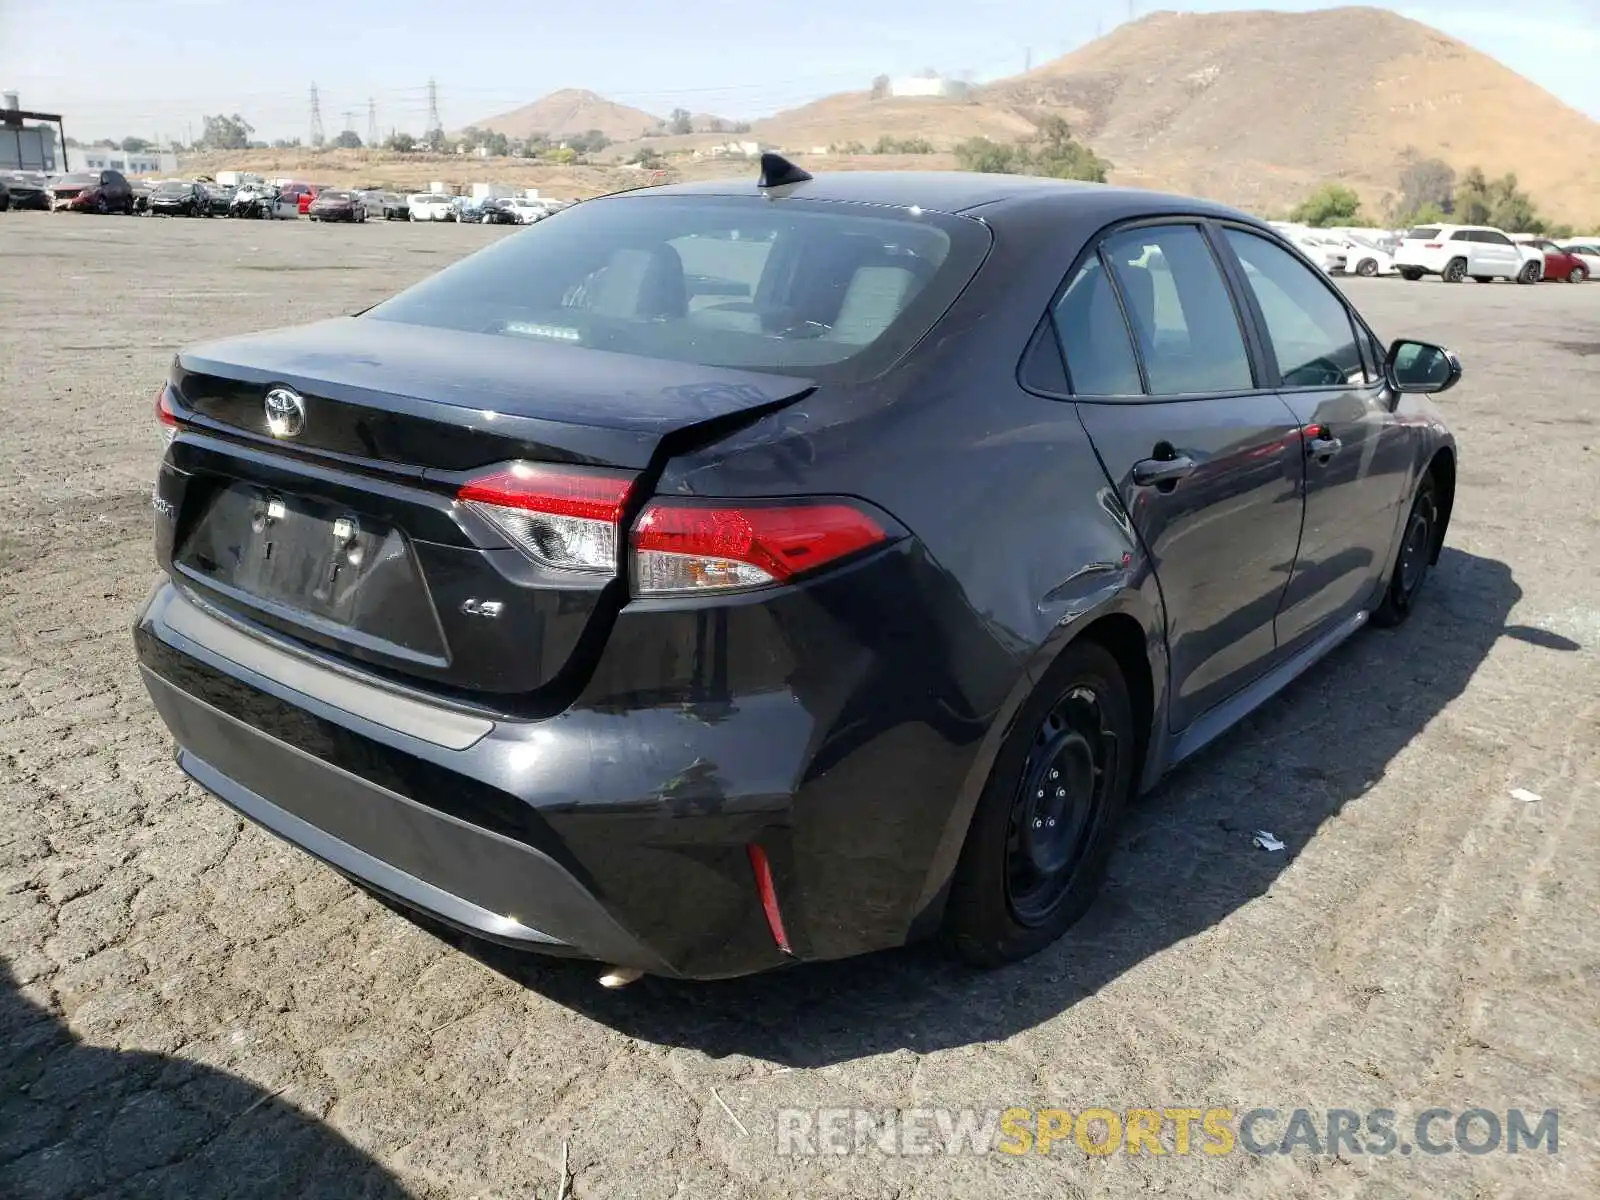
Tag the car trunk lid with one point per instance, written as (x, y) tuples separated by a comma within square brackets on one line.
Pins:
[(353, 528)]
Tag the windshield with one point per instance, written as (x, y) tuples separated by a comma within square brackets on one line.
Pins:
[(801, 287), (173, 189), (76, 180), (336, 197)]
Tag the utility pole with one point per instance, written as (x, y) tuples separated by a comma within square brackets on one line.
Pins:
[(317, 136), (372, 121)]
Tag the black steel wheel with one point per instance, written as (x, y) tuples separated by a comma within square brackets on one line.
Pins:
[(1418, 545), (1059, 805), (1041, 835)]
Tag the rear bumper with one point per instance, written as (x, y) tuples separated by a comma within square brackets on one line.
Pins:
[(617, 830)]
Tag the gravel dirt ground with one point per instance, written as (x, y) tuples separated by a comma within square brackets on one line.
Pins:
[(189, 1007)]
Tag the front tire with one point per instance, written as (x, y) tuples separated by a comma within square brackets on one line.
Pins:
[(1578, 275), (1037, 849), (1413, 559), (1367, 268), (1455, 270)]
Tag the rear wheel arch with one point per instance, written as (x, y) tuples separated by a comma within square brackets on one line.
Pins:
[(1128, 629), (1124, 638)]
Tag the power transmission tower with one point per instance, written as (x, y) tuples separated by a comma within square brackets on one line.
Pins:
[(1027, 60), (433, 107), (349, 121), (317, 136), (1133, 10), (372, 121)]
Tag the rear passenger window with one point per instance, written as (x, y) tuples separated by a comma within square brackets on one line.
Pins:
[(1182, 315), (1309, 326), (1094, 337)]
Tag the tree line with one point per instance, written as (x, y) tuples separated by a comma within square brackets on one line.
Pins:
[(1432, 193)]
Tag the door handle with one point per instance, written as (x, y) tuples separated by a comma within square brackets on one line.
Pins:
[(1320, 443), (1152, 472)]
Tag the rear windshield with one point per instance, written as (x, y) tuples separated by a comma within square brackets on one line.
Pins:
[(77, 180), (1423, 233), (826, 290), (174, 189)]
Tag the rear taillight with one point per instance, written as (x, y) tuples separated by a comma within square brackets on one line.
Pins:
[(560, 517), (682, 548), (1433, 245), (166, 414)]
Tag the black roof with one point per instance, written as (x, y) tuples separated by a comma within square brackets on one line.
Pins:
[(947, 191)]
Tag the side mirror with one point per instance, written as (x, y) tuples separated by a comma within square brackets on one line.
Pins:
[(1421, 367)]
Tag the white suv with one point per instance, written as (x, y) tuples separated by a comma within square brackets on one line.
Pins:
[(1457, 252)]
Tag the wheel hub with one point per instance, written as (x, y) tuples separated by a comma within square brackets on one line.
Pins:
[(1059, 805)]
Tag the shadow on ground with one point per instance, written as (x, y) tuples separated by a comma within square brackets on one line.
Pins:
[(1183, 864), (82, 1121)]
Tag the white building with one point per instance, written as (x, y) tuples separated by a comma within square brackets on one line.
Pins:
[(110, 158), (930, 85)]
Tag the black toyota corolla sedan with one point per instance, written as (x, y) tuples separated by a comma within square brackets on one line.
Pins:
[(728, 574)]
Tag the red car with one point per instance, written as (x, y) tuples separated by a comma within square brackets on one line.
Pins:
[(1560, 266), (91, 191)]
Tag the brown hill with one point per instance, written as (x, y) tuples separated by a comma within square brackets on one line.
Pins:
[(1258, 108), (857, 117), (570, 111)]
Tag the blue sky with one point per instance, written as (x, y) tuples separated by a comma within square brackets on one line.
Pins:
[(149, 67)]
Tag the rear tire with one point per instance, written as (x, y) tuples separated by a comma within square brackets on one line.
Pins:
[(1455, 270), (1413, 559), (1037, 849), (1367, 268), (1529, 273), (1410, 274)]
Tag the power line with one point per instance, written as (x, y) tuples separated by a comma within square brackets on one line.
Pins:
[(317, 136)]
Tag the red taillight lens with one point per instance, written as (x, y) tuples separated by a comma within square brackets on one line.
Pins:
[(561, 517), (1433, 245), (165, 413), (683, 548)]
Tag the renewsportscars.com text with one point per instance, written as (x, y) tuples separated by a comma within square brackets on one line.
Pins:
[(1181, 1131)]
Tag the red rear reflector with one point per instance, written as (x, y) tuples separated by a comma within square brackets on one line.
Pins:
[(695, 548), (769, 896), (560, 517)]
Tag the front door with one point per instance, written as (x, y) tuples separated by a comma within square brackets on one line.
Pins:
[(1357, 460), (1207, 466)]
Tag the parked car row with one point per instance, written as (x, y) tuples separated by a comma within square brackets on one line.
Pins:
[(1484, 254)]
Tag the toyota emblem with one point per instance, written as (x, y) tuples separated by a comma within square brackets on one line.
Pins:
[(286, 412)]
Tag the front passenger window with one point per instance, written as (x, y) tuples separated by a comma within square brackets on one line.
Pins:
[(1309, 327)]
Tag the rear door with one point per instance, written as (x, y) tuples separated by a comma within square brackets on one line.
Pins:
[(1499, 250), (1206, 462), (1357, 458)]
